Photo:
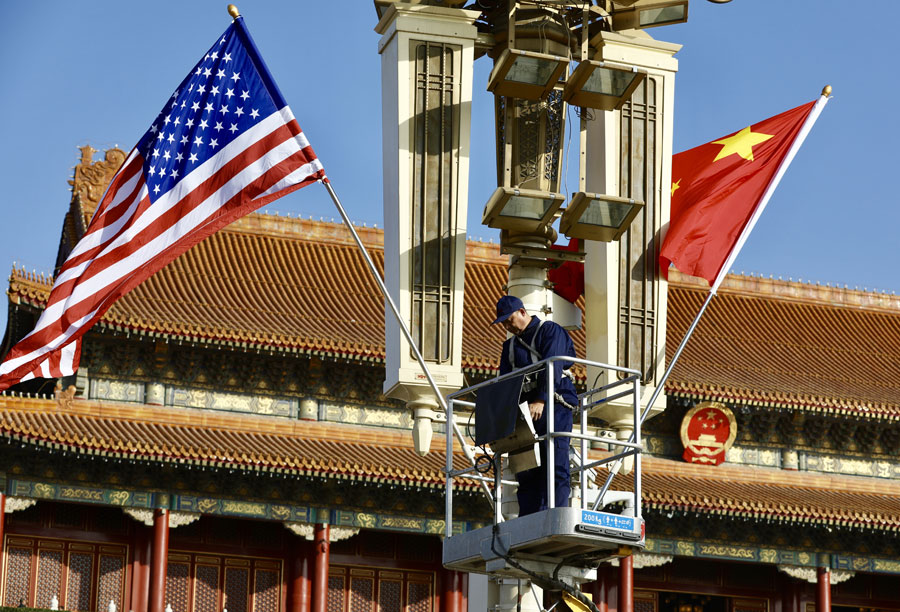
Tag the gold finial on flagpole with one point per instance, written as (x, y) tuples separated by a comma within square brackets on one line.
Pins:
[(232, 10), (826, 91)]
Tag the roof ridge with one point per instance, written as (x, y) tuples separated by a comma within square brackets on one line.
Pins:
[(197, 418), (796, 291), (36, 278), (334, 232)]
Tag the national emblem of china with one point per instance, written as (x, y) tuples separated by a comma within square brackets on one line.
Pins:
[(707, 432)]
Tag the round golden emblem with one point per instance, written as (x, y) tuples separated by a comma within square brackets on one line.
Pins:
[(707, 432)]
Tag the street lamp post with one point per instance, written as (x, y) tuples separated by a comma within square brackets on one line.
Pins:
[(622, 87)]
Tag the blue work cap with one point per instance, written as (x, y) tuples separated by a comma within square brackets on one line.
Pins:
[(507, 305)]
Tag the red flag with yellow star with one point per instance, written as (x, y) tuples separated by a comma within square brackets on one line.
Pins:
[(717, 189)]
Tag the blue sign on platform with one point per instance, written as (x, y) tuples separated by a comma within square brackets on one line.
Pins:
[(603, 519)]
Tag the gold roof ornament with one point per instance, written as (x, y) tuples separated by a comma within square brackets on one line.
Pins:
[(92, 177)]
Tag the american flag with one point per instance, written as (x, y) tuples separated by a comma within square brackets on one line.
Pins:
[(225, 144)]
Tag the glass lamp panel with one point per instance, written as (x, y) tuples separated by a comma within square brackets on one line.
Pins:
[(661, 15), (605, 214), (531, 70), (521, 207), (609, 82)]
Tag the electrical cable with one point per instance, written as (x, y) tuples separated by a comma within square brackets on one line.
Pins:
[(484, 463), (469, 426), (585, 113), (546, 583)]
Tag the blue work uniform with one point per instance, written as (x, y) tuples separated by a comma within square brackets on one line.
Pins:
[(539, 341)]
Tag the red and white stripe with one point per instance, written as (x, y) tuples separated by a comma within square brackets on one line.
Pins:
[(129, 239)]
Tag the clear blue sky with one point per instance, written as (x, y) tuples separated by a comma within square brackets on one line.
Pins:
[(98, 72)]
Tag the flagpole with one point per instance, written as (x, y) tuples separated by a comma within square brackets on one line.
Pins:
[(795, 146)]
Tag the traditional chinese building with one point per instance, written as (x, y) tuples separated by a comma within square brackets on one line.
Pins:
[(225, 443)]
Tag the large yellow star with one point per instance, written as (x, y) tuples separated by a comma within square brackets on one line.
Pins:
[(741, 143), (676, 186)]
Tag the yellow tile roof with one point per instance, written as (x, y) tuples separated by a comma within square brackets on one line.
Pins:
[(326, 450), (283, 284)]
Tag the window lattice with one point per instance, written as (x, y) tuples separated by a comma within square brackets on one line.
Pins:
[(49, 577), (18, 573), (419, 598), (389, 593), (237, 588), (361, 594), (177, 586), (78, 587), (112, 581), (335, 594), (644, 606), (206, 589), (380, 590), (265, 596)]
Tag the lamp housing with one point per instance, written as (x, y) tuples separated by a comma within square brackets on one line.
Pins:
[(526, 74), (641, 16), (383, 6), (593, 216), (602, 85), (522, 210)]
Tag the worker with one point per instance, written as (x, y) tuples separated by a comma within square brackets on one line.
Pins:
[(534, 340)]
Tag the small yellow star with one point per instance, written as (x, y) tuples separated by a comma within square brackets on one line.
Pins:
[(741, 143), (675, 186)]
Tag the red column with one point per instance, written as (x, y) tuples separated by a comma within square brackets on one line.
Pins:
[(134, 592), (158, 561), (299, 578), (320, 569), (823, 590), (451, 597), (463, 595), (2, 518), (598, 590), (626, 584), (140, 575)]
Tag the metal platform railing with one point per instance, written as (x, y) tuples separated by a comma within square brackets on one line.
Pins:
[(566, 532)]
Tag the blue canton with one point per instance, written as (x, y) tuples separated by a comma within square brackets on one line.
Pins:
[(223, 96)]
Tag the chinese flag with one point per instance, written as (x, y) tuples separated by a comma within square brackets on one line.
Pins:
[(718, 186), (568, 279)]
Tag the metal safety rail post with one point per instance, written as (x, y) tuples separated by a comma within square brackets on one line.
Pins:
[(616, 459), (573, 534)]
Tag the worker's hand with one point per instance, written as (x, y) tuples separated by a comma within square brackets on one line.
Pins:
[(536, 409)]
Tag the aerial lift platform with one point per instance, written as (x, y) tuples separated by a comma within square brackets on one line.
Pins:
[(560, 545)]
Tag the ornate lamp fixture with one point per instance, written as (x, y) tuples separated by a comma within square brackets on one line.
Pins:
[(530, 113), (602, 85), (593, 216), (526, 74), (649, 15), (523, 210)]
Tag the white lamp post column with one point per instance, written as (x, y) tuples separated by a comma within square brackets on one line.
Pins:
[(426, 65), (629, 153)]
